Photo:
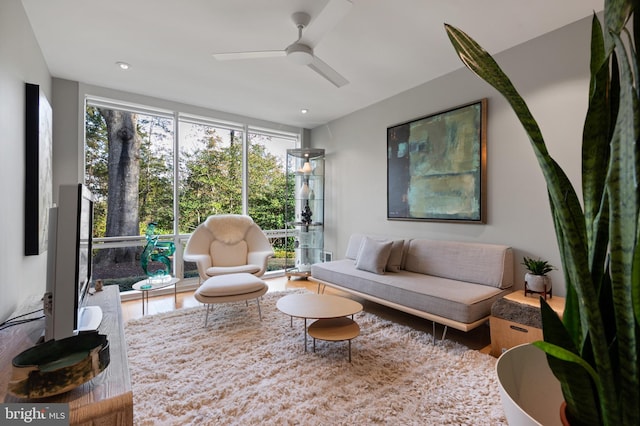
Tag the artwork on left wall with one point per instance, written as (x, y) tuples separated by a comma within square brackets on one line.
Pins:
[(38, 169)]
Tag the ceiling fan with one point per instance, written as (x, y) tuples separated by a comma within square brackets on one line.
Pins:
[(301, 50)]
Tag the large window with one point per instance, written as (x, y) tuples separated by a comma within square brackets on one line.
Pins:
[(145, 169), (267, 179), (210, 170)]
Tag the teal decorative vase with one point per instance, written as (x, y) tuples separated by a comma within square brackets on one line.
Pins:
[(156, 256)]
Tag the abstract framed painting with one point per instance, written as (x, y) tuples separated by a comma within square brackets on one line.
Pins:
[(436, 166), (38, 169)]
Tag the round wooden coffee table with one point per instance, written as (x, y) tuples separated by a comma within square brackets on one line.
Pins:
[(331, 313), (334, 330)]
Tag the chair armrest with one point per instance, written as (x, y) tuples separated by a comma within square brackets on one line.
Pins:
[(259, 258), (202, 261)]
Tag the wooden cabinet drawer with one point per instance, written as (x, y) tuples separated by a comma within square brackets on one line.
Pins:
[(507, 334)]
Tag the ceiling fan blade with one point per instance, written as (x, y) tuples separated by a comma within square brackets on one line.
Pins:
[(249, 55), (327, 72), (328, 18)]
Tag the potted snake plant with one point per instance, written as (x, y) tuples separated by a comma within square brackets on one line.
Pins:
[(593, 350)]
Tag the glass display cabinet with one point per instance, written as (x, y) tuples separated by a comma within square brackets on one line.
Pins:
[(304, 210)]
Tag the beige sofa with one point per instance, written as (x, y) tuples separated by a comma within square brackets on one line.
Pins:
[(450, 283)]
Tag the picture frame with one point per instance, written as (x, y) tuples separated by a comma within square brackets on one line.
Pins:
[(38, 169), (436, 166)]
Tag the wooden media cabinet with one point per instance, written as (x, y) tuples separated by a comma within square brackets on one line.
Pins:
[(106, 399)]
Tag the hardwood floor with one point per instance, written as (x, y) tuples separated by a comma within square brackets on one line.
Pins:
[(133, 308), (478, 339)]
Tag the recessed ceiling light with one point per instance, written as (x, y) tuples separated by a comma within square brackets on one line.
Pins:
[(304, 110), (123, 65)]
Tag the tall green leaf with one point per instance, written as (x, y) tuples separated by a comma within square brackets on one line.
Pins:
[(578, 387), (569, 221), (622, 187)]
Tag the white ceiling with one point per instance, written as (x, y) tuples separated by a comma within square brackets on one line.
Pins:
[(382, 47)]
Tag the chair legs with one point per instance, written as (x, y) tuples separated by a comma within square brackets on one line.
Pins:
[(259, 310), (209, 307), (231, 288), (206, 318)]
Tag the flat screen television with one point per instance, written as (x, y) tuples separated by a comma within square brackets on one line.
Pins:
[(69, 261)]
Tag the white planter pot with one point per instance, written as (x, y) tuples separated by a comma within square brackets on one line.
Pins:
[(537, 282), (529, 391)]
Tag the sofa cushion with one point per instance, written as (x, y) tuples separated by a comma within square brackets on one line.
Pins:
[(396, 257), (394, 264), (373, 255), (487, 264), (457, 300), (353, 247)]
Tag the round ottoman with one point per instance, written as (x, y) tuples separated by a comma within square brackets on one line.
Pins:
[(231, 288)]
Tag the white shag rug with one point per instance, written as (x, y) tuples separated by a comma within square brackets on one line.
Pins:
[(242, 371)]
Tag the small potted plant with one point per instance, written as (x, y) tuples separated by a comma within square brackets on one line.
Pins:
[(536, 279)]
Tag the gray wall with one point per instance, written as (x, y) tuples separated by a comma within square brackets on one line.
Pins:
[(20, 62), (551, 72)]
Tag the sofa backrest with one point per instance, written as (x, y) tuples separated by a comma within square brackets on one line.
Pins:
[(487, 264)]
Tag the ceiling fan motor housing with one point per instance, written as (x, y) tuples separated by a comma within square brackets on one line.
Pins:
[(300, 54)]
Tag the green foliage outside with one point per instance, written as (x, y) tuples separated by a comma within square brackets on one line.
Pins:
[(96, 166), (209, 176)]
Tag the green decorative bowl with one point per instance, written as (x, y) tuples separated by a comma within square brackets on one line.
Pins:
[(57, 366)]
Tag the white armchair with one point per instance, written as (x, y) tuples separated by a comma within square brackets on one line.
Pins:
[(228, 244)]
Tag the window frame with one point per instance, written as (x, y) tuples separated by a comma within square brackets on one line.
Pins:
[(178, 116)]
